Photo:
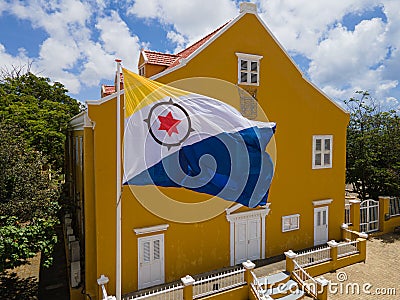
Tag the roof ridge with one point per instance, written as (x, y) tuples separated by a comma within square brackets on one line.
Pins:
[(162, 53), (203, 38)]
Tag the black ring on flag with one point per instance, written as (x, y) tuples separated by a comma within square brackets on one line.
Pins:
[(170, 102)]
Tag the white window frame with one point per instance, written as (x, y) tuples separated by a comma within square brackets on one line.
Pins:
[(290, 217), (249, 58), (323, 151)]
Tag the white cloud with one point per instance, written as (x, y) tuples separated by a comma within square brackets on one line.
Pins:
[(7, 60), (84, 38), (301, 24), (117, 38), (71, 54), (348, 54), (178, 39), (190, 19), (341, 60)]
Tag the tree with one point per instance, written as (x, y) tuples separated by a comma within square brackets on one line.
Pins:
[(373, 148), (41, 109), (28, 201), (34, 116)]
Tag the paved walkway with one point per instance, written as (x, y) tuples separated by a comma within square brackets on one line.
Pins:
[(378, 278), (53, 283)]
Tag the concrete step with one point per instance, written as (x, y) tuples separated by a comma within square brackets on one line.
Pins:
[(273, 280), (295, 295), (282, 289)]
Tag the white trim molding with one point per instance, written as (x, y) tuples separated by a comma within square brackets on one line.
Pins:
[(226, 28), (251, 214), (322, 202), (151, 229), (81, 121), (247, 56), (233, 208), (104, 99)]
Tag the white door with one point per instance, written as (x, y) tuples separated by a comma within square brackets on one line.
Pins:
[(247, 240), (320, 225), (151, 261)]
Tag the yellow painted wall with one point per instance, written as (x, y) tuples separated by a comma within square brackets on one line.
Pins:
[(300, 112)]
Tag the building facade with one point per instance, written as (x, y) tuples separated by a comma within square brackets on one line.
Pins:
[(306, 199)]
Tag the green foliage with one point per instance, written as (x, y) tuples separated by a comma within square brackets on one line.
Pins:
[(34, 116), (28, 201), (373, 149), (42, 110)]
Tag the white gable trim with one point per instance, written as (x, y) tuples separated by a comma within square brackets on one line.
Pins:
[(81, 121), (151, 229), (298, 69), (197, 51), (233, 208), (219, 33), (322, 202), (145, 56), (104, 99)]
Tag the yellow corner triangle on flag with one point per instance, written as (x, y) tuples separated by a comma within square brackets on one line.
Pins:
[(140, 92)]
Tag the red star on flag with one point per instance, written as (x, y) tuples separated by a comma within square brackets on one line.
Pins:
[(168, 123)]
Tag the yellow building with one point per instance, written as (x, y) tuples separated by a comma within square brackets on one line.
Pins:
[(306, 201)]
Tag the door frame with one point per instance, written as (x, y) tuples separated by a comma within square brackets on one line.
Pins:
[(321, 208), (251, 214), (162, 258)]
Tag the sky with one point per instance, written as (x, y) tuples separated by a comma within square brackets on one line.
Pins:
[(341, 46)]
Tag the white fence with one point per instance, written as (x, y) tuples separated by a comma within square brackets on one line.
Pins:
[(307, 282), (213, 284), (313, 256), (174, 292), (346, 249), (258, 288)]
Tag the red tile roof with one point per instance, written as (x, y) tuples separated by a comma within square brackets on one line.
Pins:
[(186, 52), (158, 58), (172, 60), (168, 60), (107, 90)]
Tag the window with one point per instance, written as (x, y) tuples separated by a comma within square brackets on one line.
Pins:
[(322, 151), (248, 69), (290, 223), (141, 71)]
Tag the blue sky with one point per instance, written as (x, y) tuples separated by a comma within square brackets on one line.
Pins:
[(341, 46)]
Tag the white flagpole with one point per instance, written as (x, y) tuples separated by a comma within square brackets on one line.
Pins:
[(118, 186)]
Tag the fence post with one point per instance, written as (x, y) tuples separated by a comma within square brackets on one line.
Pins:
[(355, 214), (290, 256), (384, 203), (362, 248), (248, 265), (334, 253), (322, 291), (344, 227), (187, 287)]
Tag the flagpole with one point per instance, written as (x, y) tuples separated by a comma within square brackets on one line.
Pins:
[(118, 187)]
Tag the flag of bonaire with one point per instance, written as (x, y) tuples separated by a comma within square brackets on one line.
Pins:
[(175, 138)]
